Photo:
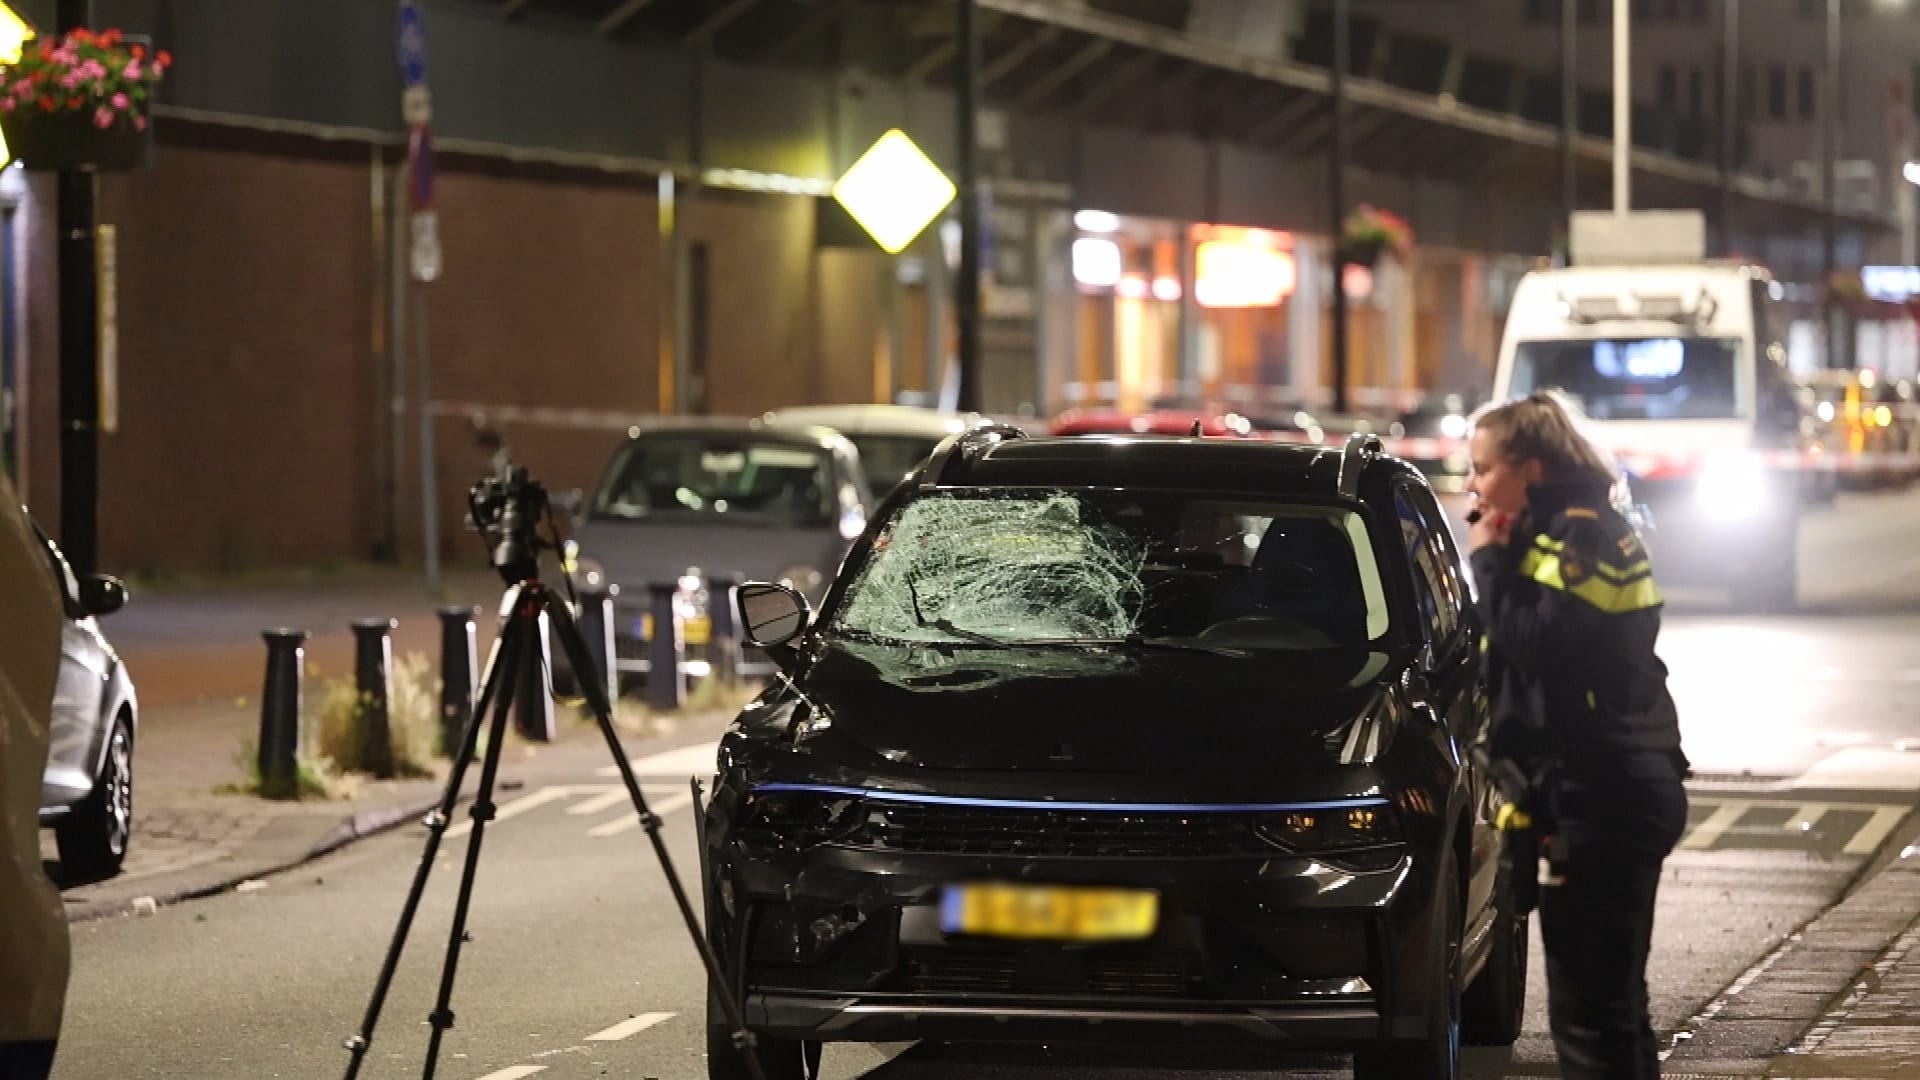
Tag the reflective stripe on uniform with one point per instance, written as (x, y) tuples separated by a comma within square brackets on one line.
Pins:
[(1614, 597)]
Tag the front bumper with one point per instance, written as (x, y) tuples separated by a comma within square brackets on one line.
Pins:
[(846, 944)]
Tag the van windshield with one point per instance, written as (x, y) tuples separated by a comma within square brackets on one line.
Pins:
[(1660, 378)]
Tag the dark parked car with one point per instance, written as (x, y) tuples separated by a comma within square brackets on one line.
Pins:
[(1109, 737)]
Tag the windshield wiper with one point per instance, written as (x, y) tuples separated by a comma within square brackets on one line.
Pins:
[(1141, 641), (946, 626)]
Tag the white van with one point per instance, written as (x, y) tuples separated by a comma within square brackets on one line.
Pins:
[(1682, 371)]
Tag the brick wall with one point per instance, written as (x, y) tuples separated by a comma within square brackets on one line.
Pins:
[(251, 294)]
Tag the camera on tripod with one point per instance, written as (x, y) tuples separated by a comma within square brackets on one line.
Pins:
[(507, 509)]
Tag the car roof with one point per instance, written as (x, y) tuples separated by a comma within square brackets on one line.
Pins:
[(878, 419), (1222, 465), (735, 428)]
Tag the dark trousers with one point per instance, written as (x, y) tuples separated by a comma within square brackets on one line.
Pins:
[(1598, 925), (26, 1060)]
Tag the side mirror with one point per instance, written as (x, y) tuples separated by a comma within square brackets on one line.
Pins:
[(101, 594), (770, 615)]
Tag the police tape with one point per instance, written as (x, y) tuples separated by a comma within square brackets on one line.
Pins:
[(1453, 453)]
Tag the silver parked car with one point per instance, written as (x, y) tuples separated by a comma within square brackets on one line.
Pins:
[(86, 794), (684, 501), (892, 439)]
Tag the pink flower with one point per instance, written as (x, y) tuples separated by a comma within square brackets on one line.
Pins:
[(7, 104), (139, 122), (70, 80), (133, 68), (103, 118), (121, 101)]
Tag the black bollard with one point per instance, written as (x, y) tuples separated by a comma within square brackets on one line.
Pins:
[(596, 629), (373, 678), (279, 760), (533, 700), (459, 658), (666, 684), (723, 641)]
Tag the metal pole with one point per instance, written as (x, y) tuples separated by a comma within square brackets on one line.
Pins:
[(1569, 118), (1729, 115), (458, 661), (79, 349), (397, 351), (279, 750), (967, 289), (1339, 203), (429, 490), (1829, 163), (1622, 108), (373, 679), (385, 543)]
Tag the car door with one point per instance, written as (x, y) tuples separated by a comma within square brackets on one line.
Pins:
[(1455, 688), (79, 693)]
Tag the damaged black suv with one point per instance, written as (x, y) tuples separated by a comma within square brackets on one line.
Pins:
[(1126, 737)]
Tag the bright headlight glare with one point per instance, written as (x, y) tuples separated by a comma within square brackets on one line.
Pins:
[(1732, 488), (588, 573)]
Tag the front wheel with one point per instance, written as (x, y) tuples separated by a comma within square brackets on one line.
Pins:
[(1494, 1006), (94, 835), (780, 1059), (1435, 1055)]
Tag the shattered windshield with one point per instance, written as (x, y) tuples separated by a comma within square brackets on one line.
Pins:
[(719, 477), (1016, 567)]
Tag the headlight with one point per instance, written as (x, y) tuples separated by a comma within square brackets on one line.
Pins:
[(1732, 488), (587, 573), (1330, 829), (798, 817)]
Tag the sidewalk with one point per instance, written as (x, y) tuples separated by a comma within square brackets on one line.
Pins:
[(197, 661)]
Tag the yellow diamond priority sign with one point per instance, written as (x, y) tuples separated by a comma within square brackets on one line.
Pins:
[(894, 191), (14, 35)]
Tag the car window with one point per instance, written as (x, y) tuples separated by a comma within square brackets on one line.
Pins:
[(720, 477), (1439, 610), (1063, 566), (887, 459), (1446, 553)]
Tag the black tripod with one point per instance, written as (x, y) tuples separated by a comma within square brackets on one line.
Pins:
[(506, 509)]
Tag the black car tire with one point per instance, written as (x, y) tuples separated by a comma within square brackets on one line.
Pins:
[(780, 1059), (1495, 1005), (1435, 1056), (94, 835)]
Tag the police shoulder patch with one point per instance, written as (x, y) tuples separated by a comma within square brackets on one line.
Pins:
[(1573, 568)]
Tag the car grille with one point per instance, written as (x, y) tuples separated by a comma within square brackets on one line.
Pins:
[(932, 829), (948, 972)]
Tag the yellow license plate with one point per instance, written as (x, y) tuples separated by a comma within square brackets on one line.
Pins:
[(1058, 913), (695, 631)]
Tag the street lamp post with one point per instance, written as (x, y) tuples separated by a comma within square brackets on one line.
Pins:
[(966, 295), (1338, 87), (1829, 189), (79, 348)]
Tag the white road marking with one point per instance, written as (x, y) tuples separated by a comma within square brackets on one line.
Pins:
[(515, 1072), (514, 809), (613, 796), (662, 807), (1703, 835), (687, 761), (1875, 830), (629, 1028)]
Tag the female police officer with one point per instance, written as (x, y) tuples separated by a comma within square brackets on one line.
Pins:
[(1582, 720)]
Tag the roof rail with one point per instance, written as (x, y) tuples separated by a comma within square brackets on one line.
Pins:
[(1361, 448), (965, 446)]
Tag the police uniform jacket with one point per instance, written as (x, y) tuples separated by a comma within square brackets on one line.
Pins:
[(1571, 612)]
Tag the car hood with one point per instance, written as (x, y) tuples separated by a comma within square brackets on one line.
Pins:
[(1089, 709), (635, 553)]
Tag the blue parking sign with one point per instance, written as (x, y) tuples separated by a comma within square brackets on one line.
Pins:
[(411, 47)]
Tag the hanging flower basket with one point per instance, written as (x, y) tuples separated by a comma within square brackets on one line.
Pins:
[(1371, 232), (83, 102)]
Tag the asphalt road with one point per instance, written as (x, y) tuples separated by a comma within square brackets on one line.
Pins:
[(579, 967)]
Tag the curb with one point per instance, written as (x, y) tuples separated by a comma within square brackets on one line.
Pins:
[(1772, 1006), (345, 831)]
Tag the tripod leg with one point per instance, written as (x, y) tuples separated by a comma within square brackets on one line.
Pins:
[(492, 685), (576, 647), (521, 632)]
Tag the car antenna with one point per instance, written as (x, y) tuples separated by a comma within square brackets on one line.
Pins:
[(1196, 428)]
